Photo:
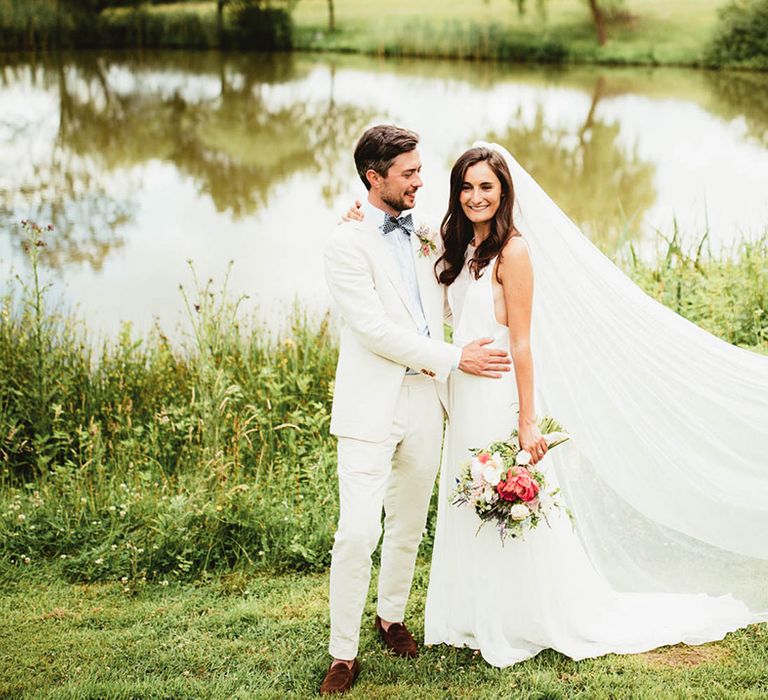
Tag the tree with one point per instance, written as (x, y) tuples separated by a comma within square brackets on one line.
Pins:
[(598, 18), (600, 9)]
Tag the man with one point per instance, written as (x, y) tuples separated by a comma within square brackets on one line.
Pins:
[(389, 394)]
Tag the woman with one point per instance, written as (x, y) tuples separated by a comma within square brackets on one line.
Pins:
[(544, 591)]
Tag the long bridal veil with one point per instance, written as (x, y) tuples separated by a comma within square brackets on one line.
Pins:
[(667, 472)]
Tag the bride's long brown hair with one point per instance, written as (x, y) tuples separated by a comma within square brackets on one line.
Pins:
[(456, 229)]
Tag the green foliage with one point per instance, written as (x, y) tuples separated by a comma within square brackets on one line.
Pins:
[(727, 296), (453, 39), (128, 23), (178, 28), (258, 27), (742, 35), (142, 462), (147, 461)]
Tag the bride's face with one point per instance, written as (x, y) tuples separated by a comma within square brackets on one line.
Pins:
[(480, 194)]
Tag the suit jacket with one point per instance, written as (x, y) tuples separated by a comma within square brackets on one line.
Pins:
[(379, 337)]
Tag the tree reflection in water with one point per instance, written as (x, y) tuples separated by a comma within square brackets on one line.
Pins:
[(600, 184), (741, 96), (211, 117)]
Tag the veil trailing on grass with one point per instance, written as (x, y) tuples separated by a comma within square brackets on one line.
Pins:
[(667, 472)]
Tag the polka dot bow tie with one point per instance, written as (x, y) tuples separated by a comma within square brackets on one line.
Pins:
[(404, 222)]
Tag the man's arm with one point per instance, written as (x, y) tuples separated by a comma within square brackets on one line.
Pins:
[(351, 285)]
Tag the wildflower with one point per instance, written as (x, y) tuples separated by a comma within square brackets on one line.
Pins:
[(114, 547), (83, 500), (523, 458), (112, 509), (519, 512), (164, 582), (99, 561), (124, 579), (26, 560), (62, 556), (21, 517)]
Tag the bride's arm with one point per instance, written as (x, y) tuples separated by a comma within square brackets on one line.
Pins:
[(516, 275)]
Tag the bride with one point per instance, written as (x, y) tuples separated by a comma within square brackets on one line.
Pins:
[(666, 471), (643, 475)]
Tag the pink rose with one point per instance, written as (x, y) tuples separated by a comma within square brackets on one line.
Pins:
[(519, 484), (483, 457)]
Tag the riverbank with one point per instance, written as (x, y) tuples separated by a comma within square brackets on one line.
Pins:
[(647, 32), (166, 513), (655, 33), (264, 636), (144, 461)]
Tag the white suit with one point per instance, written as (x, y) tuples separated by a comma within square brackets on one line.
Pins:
[(389, 424)]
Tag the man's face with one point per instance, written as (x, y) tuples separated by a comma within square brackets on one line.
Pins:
[(398, 188)]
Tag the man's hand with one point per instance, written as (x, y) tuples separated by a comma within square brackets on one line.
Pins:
[(482, 361), (354, 213)]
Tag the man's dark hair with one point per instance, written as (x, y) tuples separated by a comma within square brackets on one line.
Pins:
[(379, 146)]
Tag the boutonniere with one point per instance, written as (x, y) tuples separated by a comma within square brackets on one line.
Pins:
[(426, 237)]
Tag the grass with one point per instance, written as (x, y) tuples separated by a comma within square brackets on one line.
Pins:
[(659, 32), (650, 32), (258, 636), (166, 513)]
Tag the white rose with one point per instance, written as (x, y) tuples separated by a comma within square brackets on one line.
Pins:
[(491, 474), (476, 468), (489, 495), (523, 458), (519, 512)]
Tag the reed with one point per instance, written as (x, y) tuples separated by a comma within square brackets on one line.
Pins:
[(140, 461)]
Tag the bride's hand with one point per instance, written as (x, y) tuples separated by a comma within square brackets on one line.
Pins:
[(532, 441), (354, 213)]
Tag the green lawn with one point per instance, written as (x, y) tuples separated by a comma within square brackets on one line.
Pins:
[(656, 32), (661, 32), (241, 636)]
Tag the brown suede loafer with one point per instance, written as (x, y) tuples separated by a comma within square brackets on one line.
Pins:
[(340, 678), (398, 639)]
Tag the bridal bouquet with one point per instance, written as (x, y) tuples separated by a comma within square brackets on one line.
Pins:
[(502, 486)]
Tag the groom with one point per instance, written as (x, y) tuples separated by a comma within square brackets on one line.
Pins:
[(389, 397)]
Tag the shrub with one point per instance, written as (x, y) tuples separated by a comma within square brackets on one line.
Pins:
[(742, 35), (263, 29)]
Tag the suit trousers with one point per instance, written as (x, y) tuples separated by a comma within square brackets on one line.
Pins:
[(399, 474)]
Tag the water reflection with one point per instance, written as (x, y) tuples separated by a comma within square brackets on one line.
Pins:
[(603, 184), (222, 129), (142, 161), (742, 96)]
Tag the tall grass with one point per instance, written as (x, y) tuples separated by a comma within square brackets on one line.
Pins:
[(140, 461), (26, 24), (144, 460)]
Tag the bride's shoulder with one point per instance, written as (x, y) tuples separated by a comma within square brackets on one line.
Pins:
[(515, 259), (516, 249)]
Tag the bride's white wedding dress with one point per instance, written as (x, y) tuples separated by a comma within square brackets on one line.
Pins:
[(542, 591)]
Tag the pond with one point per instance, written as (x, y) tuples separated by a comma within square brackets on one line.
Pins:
[(143, 162)]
